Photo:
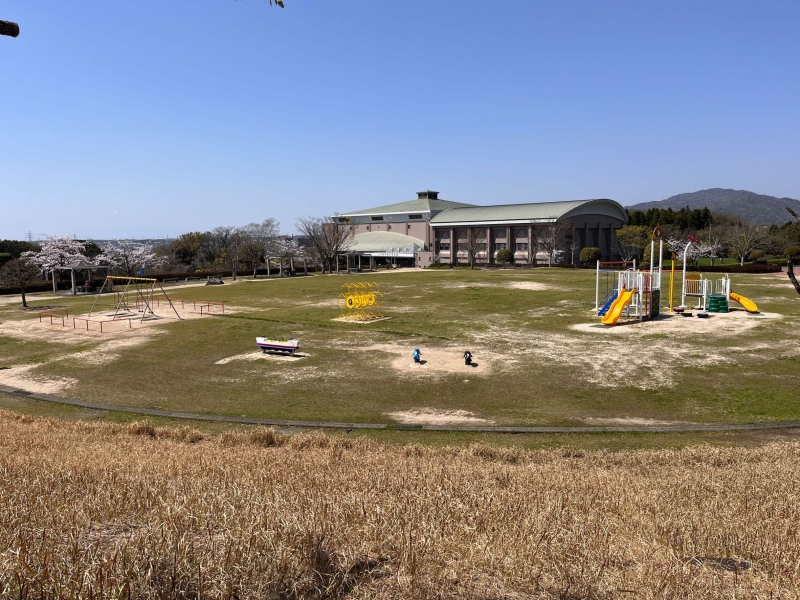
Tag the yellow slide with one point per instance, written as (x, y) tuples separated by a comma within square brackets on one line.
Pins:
[(624, 298), (749, 305)]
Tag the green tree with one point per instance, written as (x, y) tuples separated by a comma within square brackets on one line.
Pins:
[(590, 255), (792, 252), (631, 240), (19, 273), (187, 247), (16, 248), (505, 256)]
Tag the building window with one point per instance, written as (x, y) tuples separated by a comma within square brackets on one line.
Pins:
[(444, 246), (500, 246), (521, 247), (414, 216), (377, 218)]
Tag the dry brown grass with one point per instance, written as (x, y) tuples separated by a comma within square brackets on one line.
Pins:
[(90, 510)]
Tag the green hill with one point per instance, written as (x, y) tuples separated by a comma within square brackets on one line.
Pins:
[(756, 208)]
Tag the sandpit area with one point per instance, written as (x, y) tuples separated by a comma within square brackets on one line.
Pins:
[(733, 323), (433, 416), (435, 361), (259, 355), (20, 376), (630, 421), (517, 285), (75, 328), (355, 322)]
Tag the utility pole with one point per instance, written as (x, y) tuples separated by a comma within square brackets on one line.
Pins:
[(8, 28)]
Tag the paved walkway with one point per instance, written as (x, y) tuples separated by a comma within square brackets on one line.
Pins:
[(339, 425)]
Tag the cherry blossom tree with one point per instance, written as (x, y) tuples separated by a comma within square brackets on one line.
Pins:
[(677, 246), (127, 257), (288, 248), (57, 251)]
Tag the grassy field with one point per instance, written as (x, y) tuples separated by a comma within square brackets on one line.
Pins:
[(543, 358), (98, 510)]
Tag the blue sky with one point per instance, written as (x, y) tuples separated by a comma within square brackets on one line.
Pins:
[(156, 117)]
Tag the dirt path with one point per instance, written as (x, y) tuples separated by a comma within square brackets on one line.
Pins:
[(339, 425)]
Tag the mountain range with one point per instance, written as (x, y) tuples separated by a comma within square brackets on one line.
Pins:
[(756, 208)]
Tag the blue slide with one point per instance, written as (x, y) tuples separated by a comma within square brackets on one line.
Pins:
[(607, 305)]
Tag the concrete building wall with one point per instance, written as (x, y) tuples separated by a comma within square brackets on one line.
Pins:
[(588, 231)]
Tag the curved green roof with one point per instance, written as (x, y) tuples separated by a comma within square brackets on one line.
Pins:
[(536, 212)]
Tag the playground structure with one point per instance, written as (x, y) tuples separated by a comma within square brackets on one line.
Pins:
[(712, 295), (360, 301), (135, 299), (635, 294), (135, 296)]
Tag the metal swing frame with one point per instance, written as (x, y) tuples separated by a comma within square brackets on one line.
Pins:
[(144, 294)]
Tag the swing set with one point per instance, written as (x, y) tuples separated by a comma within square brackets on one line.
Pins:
[(133, 295)]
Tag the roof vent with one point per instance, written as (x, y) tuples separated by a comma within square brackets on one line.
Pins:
[(427, 195)]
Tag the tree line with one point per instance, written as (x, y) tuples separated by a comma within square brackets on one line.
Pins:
[(719, 235), (245, 248)]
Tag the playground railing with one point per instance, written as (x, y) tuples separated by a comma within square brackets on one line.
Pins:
[(697, 287), (100, 323), (722, 287), (208, 307), (54, 314)]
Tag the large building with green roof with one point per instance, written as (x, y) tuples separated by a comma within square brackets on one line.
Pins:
[(428, 229)]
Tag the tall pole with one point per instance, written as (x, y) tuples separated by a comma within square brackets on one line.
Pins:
[(683, 287), (597, 289), (671, 280)]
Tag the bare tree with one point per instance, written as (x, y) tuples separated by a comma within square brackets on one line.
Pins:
[(744, 238), (552, 238), (326, 237), (473, 244), (533, 245), (237, 243), (572, 246), (262, 242), (19, 273)]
